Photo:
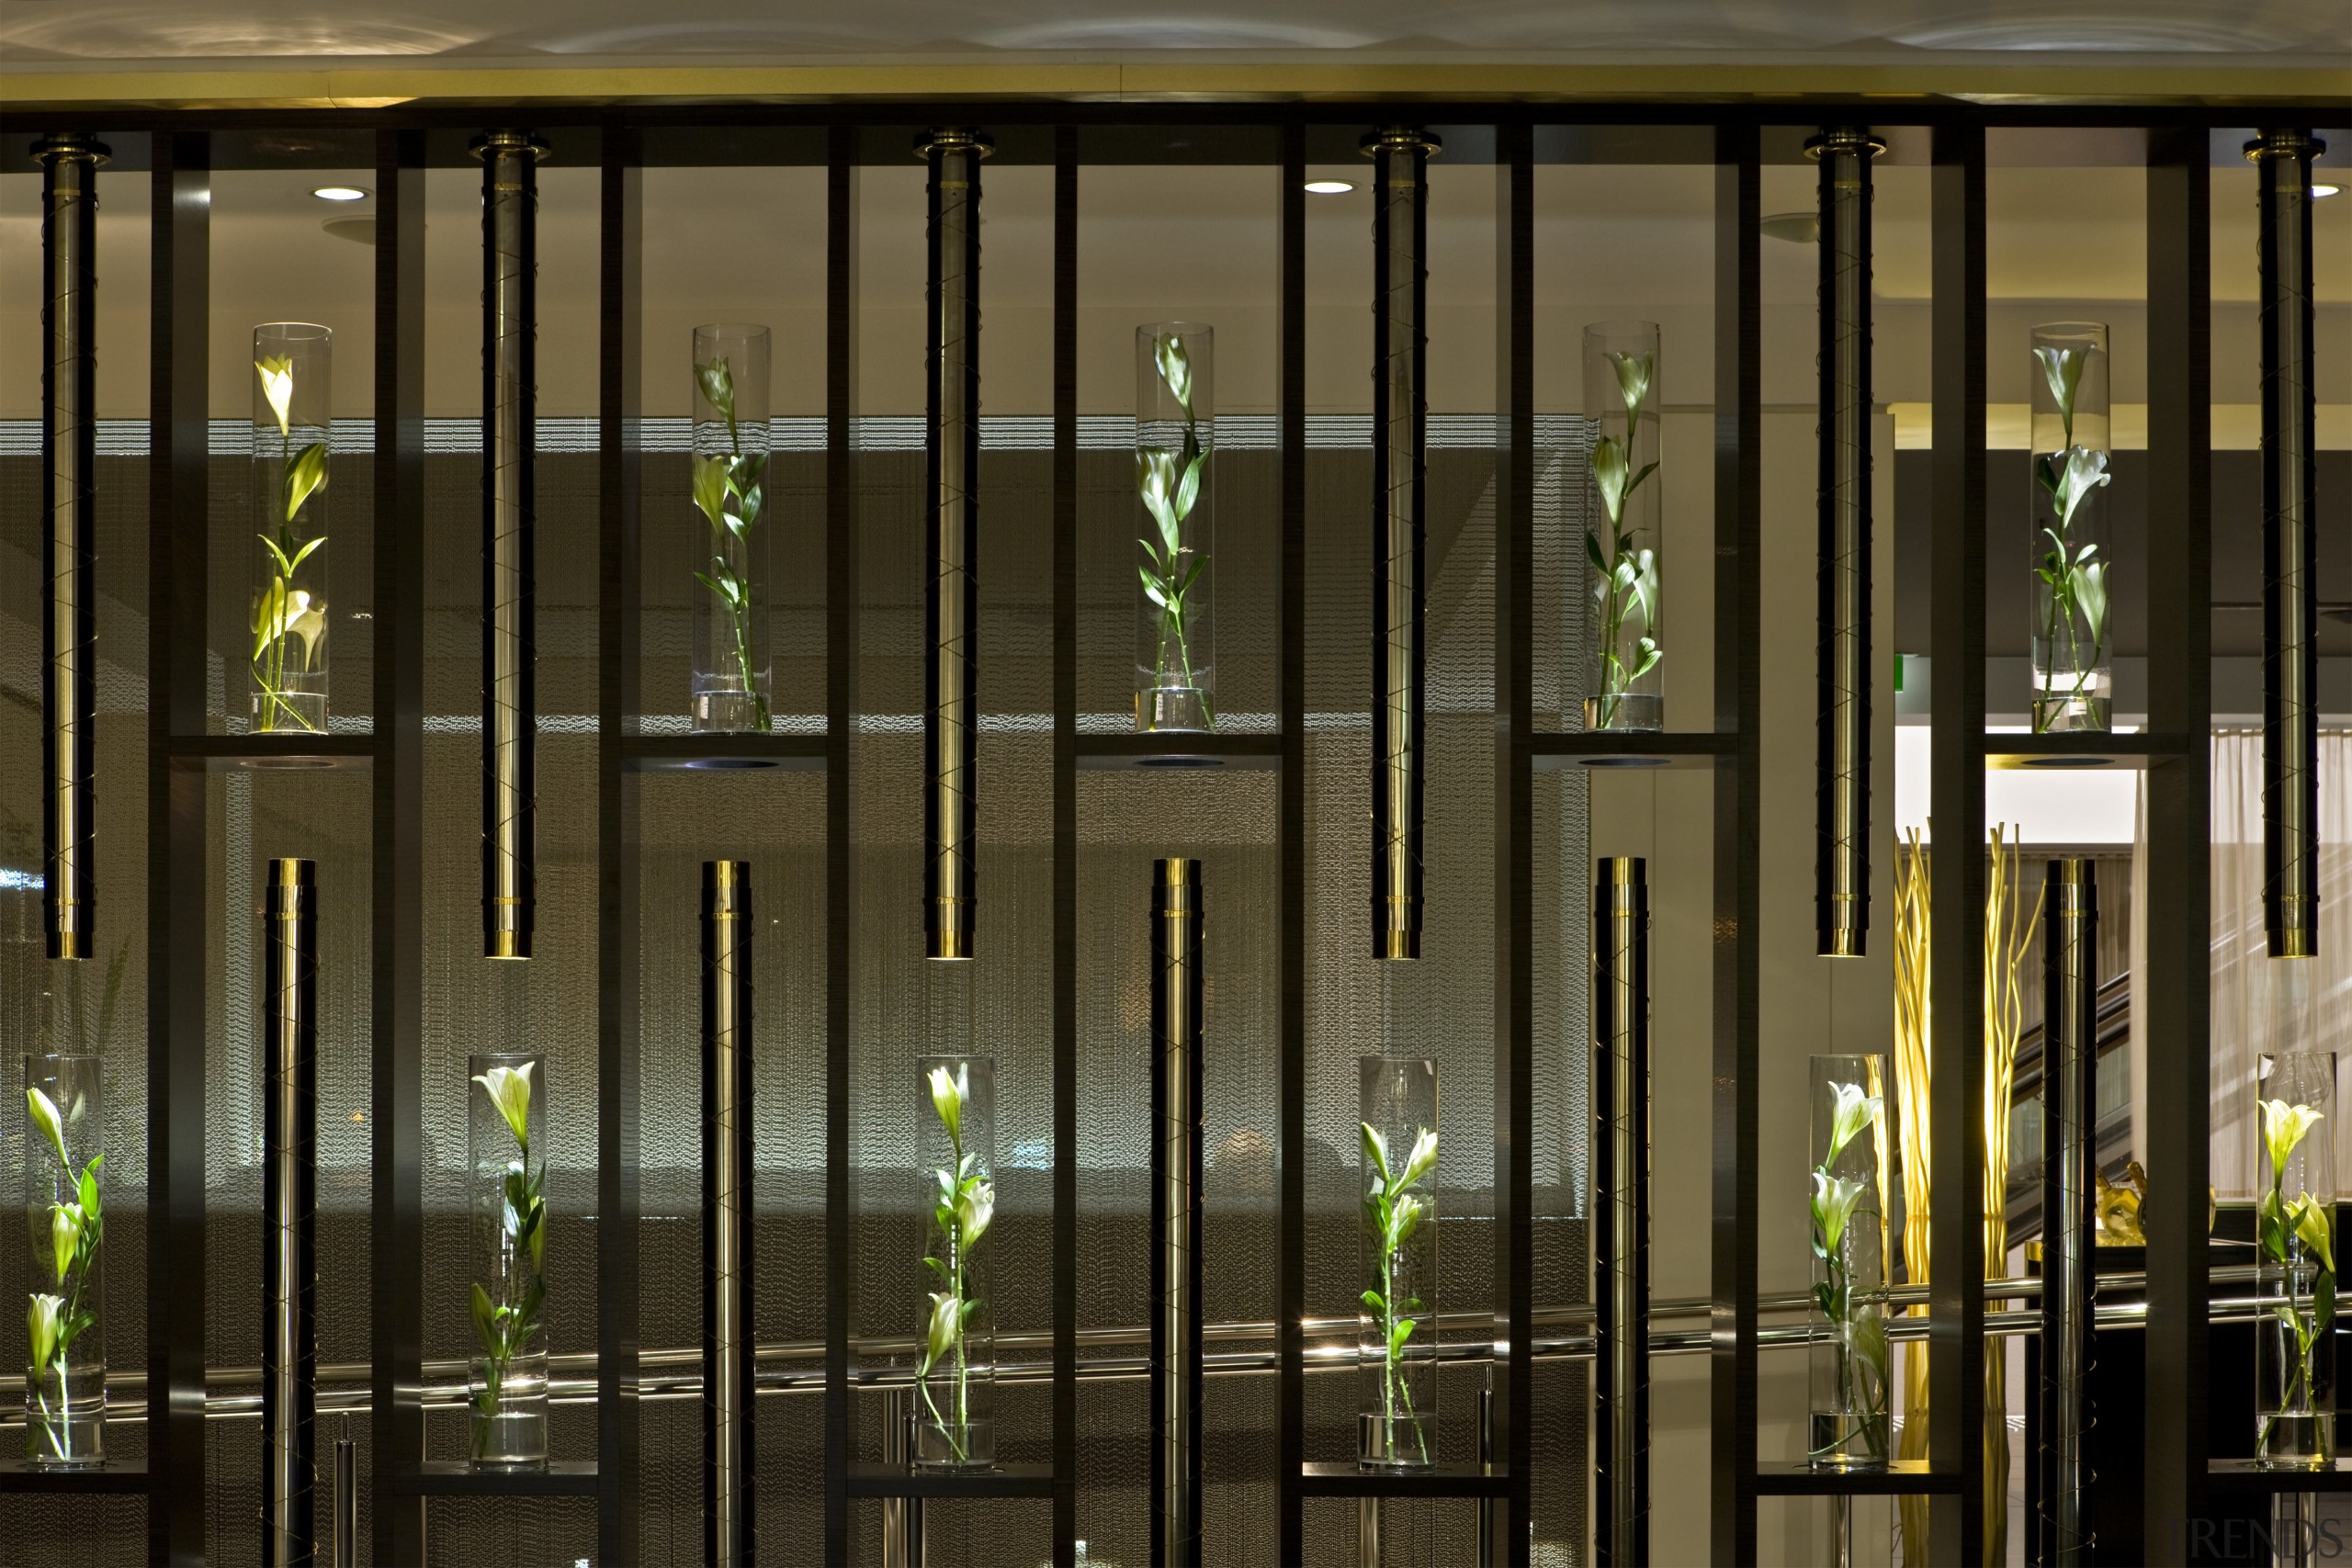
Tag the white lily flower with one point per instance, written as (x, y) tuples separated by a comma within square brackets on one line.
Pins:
[(1854, 1111), (1421, 1160), (43, 1111), (2284, 1126), (44, 1321), (975, 1211), (277, 385), (510, 1091), (64, 1236), (947, 1096)]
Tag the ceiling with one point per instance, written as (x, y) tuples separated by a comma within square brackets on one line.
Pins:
[(2303, 34)]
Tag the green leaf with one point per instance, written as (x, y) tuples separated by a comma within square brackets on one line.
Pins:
[(1647, 655), (1402, 1331), (1371, 1299), (1153, 589), (486, 1320), (306, 472), (88, 1191), (1592, 553), (2270, 1224), (1646, 471), (1188, 489), (2323, 1301)]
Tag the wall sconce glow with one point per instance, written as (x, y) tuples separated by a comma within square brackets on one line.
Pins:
[(1329, 187), (340, 193), (2322, 191)]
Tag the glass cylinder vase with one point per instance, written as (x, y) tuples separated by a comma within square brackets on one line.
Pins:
[(731, 689), (1846, 1186), (2295, 1261), (1624, 677), (293, 414), (2074, 626), (65, 1360), (506, 1147), (956, 1333), (1176, 526), (1396, 1309)]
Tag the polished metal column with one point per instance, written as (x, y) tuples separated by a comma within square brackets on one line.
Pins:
[(726, 1212), (2069, 1128), (1842, 872), (69, 471), (952, 602), (2290, 545), (510, 206), (902, 1516), (1621, 1026), (1399, 482), (347, 1504), (290, 1212), (1176, 1213)]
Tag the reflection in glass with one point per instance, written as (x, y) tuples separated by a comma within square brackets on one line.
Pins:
[(2073, 629), (731, 459)]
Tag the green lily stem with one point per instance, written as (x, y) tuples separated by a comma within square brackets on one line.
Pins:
[(957, 1435), (1171, 618), (739, 605)]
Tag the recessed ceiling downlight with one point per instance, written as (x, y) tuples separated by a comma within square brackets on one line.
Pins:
[(1329, 187), (340, 193)]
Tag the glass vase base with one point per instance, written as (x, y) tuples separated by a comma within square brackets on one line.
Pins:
[(514, 1440), (1402, 1442), (1843, 1441), (2297, 1442), (2072, 716), (727, 713), (82, 1441), (1635, 713), (1177, 708), (290, 713), (971, 1445)]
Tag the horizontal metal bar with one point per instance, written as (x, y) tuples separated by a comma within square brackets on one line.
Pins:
[(676, 1373)]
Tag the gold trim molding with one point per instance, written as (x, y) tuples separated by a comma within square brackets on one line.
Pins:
[(58, 84)]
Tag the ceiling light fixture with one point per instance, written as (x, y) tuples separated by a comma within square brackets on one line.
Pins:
[(2319, 190), (1796, 228), (340, 193), (1329, 187)]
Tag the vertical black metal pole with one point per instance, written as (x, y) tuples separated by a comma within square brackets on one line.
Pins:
[(396, 1234), (1176, 1176), (2180, 555), (1399, 482), (1620, 1030), (842, 542), (952, 591), (620, 239), (178, 915), (1290, 1291), (1735, 955), (1956, 770), (1066, 847), (69, 472), (727, 1202), (1506, 1428), (510, 204), (2282, 158), (1842, 875), (291, 1213), (2070, 1142)]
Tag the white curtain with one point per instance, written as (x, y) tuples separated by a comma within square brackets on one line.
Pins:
[(2260, 1004)]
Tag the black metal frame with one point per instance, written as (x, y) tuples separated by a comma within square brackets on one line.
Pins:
[(181, 149)]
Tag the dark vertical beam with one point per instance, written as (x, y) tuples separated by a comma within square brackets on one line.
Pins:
[(620, 239), (1956, 772), (1290, 436), (841, 726), (1514, 828), (396, 1232), (1065, 846), (1738, 631), (177, 545), (2180, 555)]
